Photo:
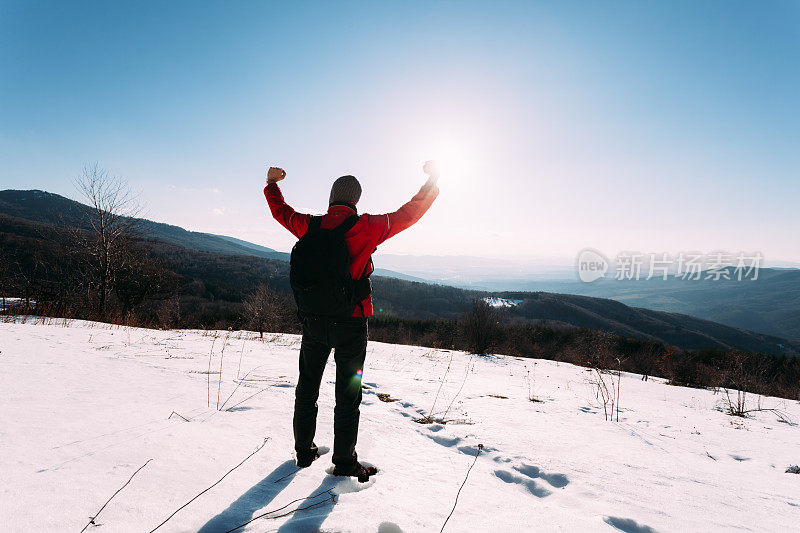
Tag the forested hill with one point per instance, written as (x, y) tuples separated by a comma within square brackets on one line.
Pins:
[(49, 208)]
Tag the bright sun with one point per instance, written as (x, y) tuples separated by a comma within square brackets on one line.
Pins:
[(460, 157), (452, 160)]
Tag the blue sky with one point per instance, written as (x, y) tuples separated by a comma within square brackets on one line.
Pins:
[(658, 127)]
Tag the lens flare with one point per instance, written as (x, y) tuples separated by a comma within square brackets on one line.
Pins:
[(355, 381)]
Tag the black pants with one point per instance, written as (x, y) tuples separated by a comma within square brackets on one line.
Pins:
[(348, 337)]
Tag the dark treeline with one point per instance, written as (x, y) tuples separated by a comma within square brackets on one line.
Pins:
[(149, 283), (58, 270)]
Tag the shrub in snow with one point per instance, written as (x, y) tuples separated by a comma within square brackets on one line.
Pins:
[(480, 327)]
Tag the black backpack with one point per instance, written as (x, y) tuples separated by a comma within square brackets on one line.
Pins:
[(320, 272)]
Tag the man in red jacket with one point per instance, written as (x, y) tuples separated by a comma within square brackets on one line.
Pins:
[(347, 336)]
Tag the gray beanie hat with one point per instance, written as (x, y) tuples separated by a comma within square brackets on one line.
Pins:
[(345, 189)]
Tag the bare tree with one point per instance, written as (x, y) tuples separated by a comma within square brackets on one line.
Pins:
[(643, 359), (19, 279), (606, 377), (267, 310), (744, 374), (138, 276), (445, 333), (169, 312), (481, 328), (109, 221)]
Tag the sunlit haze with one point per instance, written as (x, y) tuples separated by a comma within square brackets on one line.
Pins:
[(558, 126)]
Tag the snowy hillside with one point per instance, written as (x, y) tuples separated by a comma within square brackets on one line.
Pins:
[(86, 405)]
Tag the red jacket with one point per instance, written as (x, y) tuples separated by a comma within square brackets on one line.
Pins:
[(364, 237)]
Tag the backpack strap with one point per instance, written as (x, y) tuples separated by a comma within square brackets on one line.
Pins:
[(363, 283), (314, 223), (348, 223), (363, 286), (369, 264)]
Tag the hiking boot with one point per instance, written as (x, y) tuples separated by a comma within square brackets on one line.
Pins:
[(356, 470), (305, 460)]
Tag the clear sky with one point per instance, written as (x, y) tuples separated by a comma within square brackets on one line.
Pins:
[(650, 126)]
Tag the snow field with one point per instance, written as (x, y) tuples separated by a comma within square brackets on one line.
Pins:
[(83, 406)]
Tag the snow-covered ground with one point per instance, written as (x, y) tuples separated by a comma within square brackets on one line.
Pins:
[(82, 407)]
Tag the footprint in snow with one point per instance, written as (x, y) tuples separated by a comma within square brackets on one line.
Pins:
[(453, 442), (445, 441), (628, 525), (389, 527), (472, 449), (527, 476), (525, 482), (556, 480)]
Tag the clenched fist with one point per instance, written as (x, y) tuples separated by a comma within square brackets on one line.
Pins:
[(275, 174), (431, 168)]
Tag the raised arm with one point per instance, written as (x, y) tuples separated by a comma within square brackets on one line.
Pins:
[(413, 210), (297, 223)]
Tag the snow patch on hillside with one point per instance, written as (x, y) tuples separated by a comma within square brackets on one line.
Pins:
[(502, 302)]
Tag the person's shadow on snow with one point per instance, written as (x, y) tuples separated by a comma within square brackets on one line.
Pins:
[(255, 499), (319, 507)]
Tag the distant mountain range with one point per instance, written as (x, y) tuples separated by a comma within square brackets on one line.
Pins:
[(407, 297), (672, 328), (770, 304)]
